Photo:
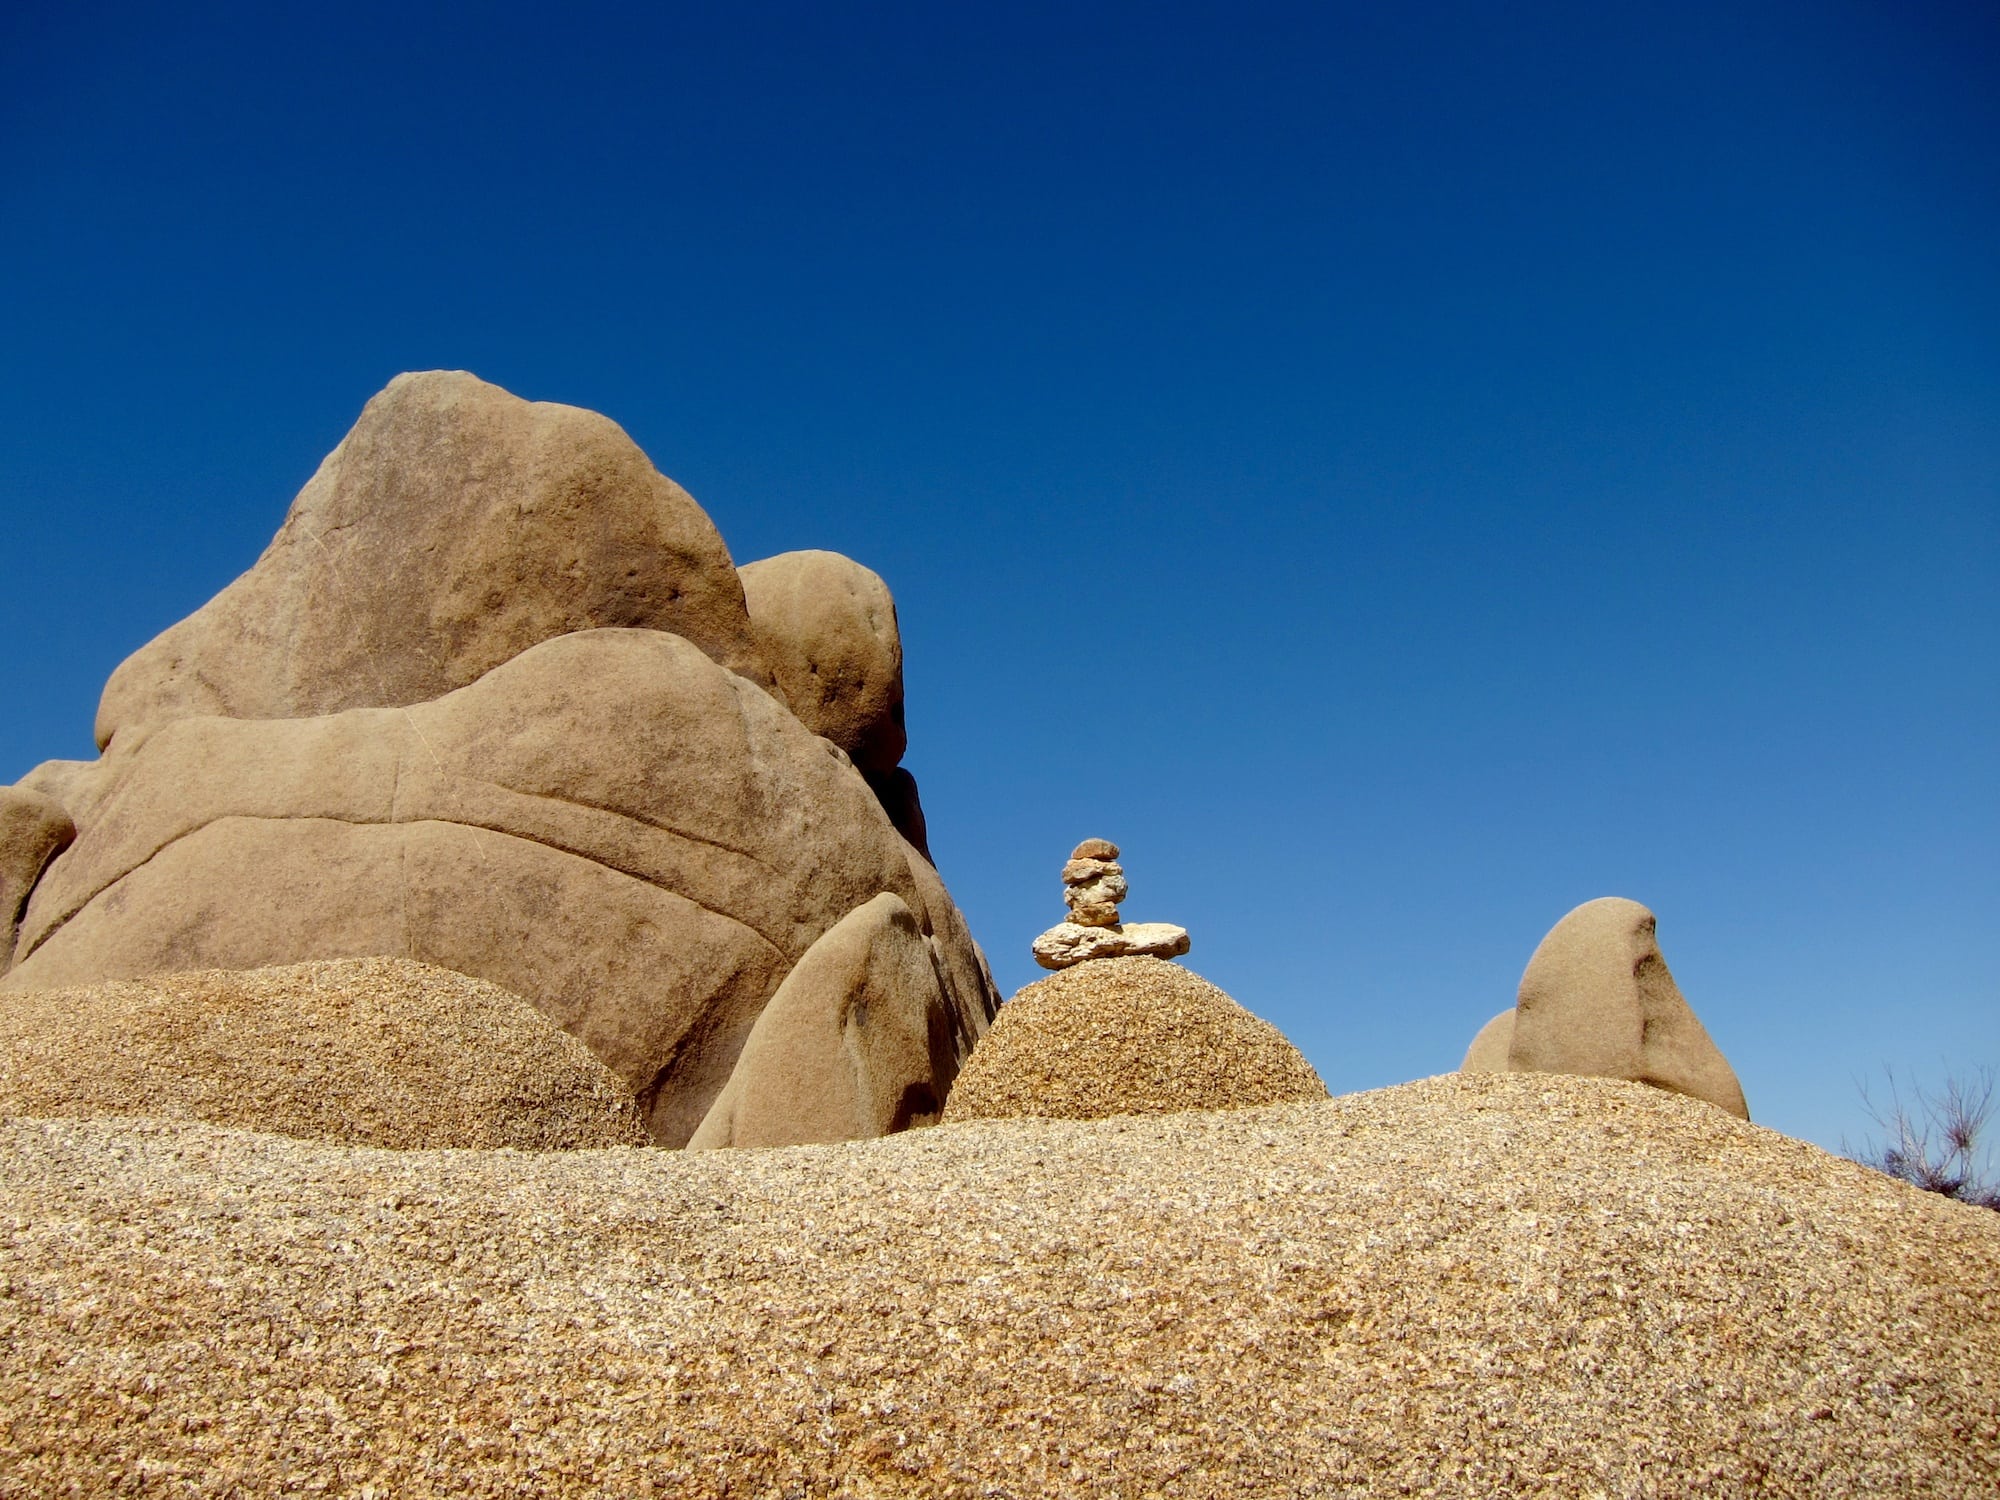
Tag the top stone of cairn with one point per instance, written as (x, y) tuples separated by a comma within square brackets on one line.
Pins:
[(1093, 886)]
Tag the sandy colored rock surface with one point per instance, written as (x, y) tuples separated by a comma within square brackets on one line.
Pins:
[(368, 1052), (454, 526), (856, 1043), (1598, 999), (827, 626), (33, 829), (1496, 1285), (1127, 1036), (1070, 943), (608, 824)]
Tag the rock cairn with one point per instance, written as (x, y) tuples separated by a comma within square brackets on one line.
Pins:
[(1093, 886)]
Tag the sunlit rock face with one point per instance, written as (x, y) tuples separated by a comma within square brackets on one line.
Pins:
[(493, 700), (1597, 999)]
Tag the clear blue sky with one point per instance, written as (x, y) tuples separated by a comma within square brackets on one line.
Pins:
[(1399, 471)]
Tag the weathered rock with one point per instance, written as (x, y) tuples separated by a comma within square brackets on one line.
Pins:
[(1106, 890), (1127, 1036), (1084, 871), (1070, 943), (1488, 1052), (364, 1052), (1598, 1000), (1095, 849), (454, 527), (856, 1043), (75, 784), (827, 627), (609, 824), (1093, 914), (33, 830)]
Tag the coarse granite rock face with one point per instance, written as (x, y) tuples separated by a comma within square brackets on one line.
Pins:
[(1478, 1287), (358, 1052), (1127, 1036), (492, 701), (1597, 999)]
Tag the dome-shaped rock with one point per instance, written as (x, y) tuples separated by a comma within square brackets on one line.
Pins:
[(1127, 1036), (363, 1052), (827, 627), (455, 526)]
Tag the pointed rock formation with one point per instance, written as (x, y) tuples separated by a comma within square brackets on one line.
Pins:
[(492, 701), (1597, 999)]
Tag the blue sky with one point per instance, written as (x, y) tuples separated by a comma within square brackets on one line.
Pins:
[(1399, 471)]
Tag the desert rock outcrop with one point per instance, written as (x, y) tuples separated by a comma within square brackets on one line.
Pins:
[(455, 526), (491, 701), (1127, 1036), (856, 1043), (1476, 1286), (1597, 999), (363, 1052), (1093, 886)]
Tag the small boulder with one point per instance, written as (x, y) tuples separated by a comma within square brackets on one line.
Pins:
[(1127, 1036), (827, 626)]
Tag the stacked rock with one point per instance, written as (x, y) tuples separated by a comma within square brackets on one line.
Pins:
[(1093, 886)]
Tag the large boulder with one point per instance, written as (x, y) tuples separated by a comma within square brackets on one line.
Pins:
[(609, 824), (1127, 1036), (454, 527), (492, 700), (856, 1043), (827, 627), (1598, 1000), (362, 1052)]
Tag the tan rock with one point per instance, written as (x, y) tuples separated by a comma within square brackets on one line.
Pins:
[(1598, 1000), (454, 527), (609, 824), (1095, 849), (856, 1043), (1106, 890), (827, 626), (1127, 1036), (1070, 943), (1093, 914), (1084, 871), (365, 1052), (1488, 1052), (34, 829)]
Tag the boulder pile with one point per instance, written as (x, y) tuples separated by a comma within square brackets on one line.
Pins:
[(496, 700), (1597, 999), (1093, 886)]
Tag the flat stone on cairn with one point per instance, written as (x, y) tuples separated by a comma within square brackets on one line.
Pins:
[(1093, 885)]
